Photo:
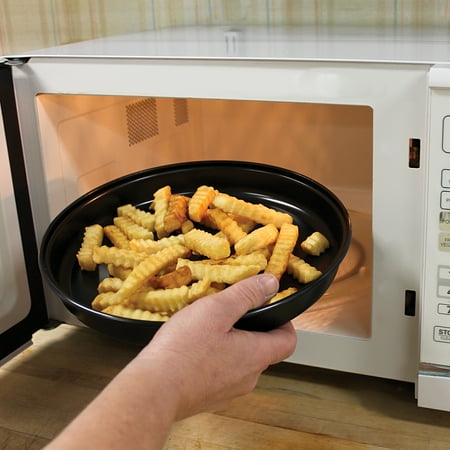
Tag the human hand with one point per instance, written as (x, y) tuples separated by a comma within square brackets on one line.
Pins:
[(196, 362), (206, 360)]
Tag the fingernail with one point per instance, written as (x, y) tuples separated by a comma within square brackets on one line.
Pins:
[(269, 284)]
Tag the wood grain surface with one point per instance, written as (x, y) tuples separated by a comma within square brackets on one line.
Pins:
[(292, 407)]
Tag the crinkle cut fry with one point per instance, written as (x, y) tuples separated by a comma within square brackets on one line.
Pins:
[(315, 244), (301, 270), (118, 271), (176, 278), (116, 236), (246, 224), (257, 212), (226, 224), (256, 240), (150, 266), (160, 205), (131, 229), (206, 244), (220, 273), (109, 284), (187, 226), (278, 261), (93, 237), (122, 257), (132, 313), (200, 201), (283, 294), (150, 246), (176, 213), (255, 258), (143, 218), (169, 300)]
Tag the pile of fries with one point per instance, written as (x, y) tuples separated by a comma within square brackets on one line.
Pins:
[(184, 248)]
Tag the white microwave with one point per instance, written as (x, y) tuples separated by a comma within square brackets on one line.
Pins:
[(364, 112)]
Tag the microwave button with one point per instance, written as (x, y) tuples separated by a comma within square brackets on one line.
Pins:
[(442, 334), (444, 273), (444, 308), (444, 221), (446, 134), (444, 242), (444, 292), (445, 178), (445, 200)]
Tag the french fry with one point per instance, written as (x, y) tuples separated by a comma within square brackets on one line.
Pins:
[(245, 223), (187, 226), (123, 257), (301, 270), (257, 239), (256, 212), (143, 218), (150, 266), (198, 290), (131, 229), (256, 258), (315, 244), (176, 213), (133, 313), (176, 278), (278, 261), (116, 236), (226, 224), (102, 300), (160, 300), (169, 300), (200, 201), (206, 244), (160, 205), (109, 284), (150, 246), (283, 294), (222, 235), (219, 273), (93, 237), (118, 271)]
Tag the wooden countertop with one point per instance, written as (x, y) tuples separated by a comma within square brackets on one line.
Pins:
[(292, 407)]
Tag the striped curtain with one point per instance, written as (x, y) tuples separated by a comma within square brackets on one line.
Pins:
[(31, 24)]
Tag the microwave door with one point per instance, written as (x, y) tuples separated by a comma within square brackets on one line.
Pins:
[(22, 303)]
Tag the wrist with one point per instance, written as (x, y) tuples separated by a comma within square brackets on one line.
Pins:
[(155, 388)]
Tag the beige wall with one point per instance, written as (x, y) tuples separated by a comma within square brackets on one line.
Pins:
[(31, 24)]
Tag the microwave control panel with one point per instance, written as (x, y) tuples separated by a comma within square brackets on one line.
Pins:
[(435, 304)]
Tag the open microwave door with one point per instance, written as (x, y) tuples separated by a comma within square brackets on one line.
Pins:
[(22, 304)]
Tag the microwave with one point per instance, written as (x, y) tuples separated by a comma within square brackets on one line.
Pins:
[(364, 112)]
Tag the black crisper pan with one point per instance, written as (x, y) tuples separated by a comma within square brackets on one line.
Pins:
[(313, 207)]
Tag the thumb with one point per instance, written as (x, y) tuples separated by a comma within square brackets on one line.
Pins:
[(233, 302)]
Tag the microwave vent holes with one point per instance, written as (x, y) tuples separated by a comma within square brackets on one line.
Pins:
[(142, 121), (180, 110)]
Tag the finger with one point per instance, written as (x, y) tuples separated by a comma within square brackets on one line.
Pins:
[(271, 347), (280, 343), (232, 303)]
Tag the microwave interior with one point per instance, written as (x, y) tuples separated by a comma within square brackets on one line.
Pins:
[(88, 140)]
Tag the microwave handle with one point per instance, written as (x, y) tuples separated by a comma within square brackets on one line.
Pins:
[(17, 335)]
